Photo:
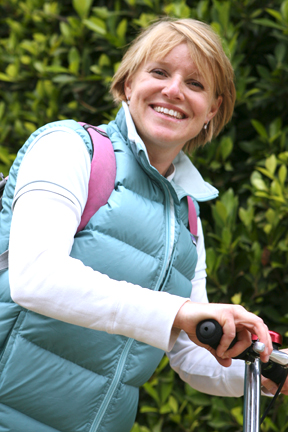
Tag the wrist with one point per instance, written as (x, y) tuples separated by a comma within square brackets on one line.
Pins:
[(181, 316)]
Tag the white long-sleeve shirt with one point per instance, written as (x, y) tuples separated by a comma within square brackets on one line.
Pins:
[(45, 279)]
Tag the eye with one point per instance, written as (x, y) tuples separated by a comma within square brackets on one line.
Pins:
[(158, 72), (196, 85)]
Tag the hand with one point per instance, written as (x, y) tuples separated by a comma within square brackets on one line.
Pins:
[(233, 319), (269, 386)]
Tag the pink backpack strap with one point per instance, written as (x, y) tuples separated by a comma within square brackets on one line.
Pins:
[(102, 176), (192, 216)]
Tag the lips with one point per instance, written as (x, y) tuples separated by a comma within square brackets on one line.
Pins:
[(169, 112)]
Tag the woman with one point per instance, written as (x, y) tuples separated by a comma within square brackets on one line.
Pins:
[(91, 314)]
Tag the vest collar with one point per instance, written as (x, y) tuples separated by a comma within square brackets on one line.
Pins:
[(187, 179)]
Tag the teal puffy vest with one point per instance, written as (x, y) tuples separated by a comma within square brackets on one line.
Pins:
[(61, 377)]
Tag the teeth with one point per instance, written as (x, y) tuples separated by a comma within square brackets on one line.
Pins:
[(170, 112)]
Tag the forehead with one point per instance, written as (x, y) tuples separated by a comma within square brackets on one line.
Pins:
[(187, 56)]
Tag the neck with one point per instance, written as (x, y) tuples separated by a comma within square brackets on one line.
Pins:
[(164, 168), (162, 161)]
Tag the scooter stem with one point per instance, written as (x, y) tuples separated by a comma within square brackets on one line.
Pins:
[(251, 420)]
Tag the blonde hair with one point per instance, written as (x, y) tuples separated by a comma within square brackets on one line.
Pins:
[(207, 53)]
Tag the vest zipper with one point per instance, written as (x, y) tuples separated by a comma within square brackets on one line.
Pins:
[(112, 387), (166, 192), (168, 237), (123, 357)]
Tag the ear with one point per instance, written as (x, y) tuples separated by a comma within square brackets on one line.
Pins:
[(214, 108), (127, 88)]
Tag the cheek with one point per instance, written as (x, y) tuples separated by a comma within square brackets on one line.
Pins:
[(203, 105)]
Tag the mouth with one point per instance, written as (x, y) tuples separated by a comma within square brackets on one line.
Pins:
[(169, 112)]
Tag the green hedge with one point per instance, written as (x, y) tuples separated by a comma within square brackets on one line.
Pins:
[(57, 60)]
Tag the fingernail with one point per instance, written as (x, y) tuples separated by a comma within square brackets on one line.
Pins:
[(225, 356)]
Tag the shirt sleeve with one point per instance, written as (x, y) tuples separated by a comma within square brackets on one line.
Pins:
[(50, 195), (57, 162), (200, 270), (197, 366)]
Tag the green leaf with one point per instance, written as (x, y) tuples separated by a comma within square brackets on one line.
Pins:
[(221, 211), (30, 127), (165, 391), (282, 174), (223, 8), (210, 258), (151, 391), (12, 70), (165, 409), (146, 409), (253, 91), (82, 7), (104, 60), (65, 30), (275, 14), (236, 298), (265, 172), (173, 404), (259, 184), (121, 30), (226, 147), (278, 199), (259, 128), (226, 237), (64, 79), (284, 10), (4, 77), (246, 216), (237, 414), (96, 25), (261, 194), (268, 228), (5, 156), (283, 157), (268, 23), (280, 52), (230, 202), (263, 72), (2, 109), (276, 188), (74, 60), (271, 216), (177, 9)]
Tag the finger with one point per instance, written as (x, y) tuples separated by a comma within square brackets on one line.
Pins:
[(226, 362), (271, 387), (262, 331), (223, 362), (268, 386), (255, 325), (229, 333), (243, 342)]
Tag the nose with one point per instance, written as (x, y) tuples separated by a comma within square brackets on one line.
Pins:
[(173, 89)]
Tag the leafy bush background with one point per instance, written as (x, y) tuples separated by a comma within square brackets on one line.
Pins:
[(57, 59)]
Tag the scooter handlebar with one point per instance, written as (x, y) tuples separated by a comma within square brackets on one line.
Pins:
[(209, 332)]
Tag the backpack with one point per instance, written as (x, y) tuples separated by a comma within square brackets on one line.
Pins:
[(2, 186), (101, 184)]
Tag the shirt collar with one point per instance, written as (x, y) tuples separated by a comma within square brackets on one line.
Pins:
[(185, 176)]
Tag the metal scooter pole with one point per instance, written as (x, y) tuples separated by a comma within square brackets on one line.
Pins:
[(209, 332), (251, 420)]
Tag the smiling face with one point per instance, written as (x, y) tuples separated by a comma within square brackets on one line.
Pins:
[(170, 102)]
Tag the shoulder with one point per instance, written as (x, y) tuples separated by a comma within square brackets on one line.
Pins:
[(56, 129), (57, 160)]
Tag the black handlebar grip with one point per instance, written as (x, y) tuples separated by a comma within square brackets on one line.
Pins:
[(273, 371), (209, 332)]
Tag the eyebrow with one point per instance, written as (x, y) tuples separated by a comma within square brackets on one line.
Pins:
[(194, 74)]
